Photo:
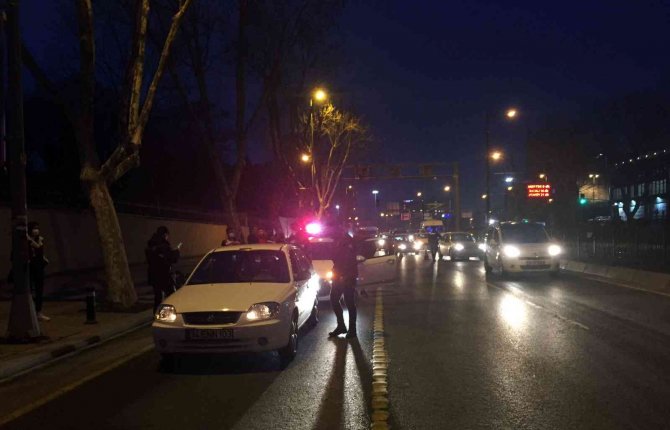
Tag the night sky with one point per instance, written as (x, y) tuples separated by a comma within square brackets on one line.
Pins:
[(423, 73)]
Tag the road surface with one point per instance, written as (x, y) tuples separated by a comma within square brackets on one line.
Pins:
[(464, 352)]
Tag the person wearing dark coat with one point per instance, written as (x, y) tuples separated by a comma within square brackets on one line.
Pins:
[(160, 258), (37, 265), (433, 245), (345, 274)]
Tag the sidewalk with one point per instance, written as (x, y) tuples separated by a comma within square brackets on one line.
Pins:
[(653, 282), (65, 305)]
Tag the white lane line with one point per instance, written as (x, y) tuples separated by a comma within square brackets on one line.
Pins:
[(619, 284), (70, 387), (517, 291), (380, 402)]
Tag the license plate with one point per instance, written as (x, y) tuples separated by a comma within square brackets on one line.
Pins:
[(536, 263), (209, 334)]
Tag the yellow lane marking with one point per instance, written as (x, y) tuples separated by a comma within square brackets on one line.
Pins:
[(70, 387), (380, 402), (540, 307)]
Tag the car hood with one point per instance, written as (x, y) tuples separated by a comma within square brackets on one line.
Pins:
[(322, 267), (230, 297)]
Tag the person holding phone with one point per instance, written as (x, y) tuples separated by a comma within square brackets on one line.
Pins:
[(160, 258)]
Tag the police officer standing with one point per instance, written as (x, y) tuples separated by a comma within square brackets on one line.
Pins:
[(160, 258), (345, 272)]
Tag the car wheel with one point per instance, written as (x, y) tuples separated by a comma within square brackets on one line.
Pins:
[(314, 316), (288, 353)]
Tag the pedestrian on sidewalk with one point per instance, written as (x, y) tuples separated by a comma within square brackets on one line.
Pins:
[(37, 265), (160, 258), (231, 238), (345, 273)]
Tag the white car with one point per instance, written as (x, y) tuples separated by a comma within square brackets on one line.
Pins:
[(520, 247), (375, 267), (243, 298)]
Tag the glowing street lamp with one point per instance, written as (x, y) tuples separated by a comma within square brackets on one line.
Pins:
[(305, 158), (419, 194), (484, 196), (511, 113), (320, 95), (496, 155), (509, 179), (447, 188)]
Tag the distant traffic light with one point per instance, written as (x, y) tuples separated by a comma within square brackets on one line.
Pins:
[(582, 199)]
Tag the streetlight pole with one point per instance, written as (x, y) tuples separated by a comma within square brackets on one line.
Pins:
[(488, 170)]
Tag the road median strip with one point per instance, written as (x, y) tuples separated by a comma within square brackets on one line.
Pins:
[(380, 402)]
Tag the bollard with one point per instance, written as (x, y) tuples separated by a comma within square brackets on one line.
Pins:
[(90, 306)]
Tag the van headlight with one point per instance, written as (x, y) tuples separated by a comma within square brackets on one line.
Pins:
[(554, 250), (381, 242), (166, 313), (417, 246), (511, 251), (482, 247), (402, 247), (459, 247), (262, 311)]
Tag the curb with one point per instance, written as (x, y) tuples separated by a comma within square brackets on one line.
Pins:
[(652, 282), (13, 368)]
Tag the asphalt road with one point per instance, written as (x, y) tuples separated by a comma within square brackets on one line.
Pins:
[(464, 353)]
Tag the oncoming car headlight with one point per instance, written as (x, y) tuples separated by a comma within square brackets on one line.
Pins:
[(381, 242), (482, 247), (417, 246), (262, 311), (459, 247), (511, 251), (554, 250), (166, 313), (402, 247)]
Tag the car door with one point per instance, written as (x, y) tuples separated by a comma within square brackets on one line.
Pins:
[(374, 269), (301, 277)]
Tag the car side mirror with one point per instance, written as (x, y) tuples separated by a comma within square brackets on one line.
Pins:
[(360, 258)]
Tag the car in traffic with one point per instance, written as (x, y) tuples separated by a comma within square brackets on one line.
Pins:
[(320, 250), (513, 247), (405, 244), (458, 246), (246, 298)]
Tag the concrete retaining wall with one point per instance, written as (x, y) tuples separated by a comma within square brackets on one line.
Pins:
[(642, 279), (72, 239)]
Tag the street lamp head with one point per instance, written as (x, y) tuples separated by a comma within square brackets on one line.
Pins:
[(320, 95), (496, 155), (350, 187), (511, 113), (542, 176), (484, 196), (337, 207), (510, 188), (509, 179), (305, 158), (447, 188), (375, 192), (419, 194), (591, 175)]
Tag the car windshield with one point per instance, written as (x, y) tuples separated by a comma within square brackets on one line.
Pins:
[(228, 267), (401, 237), (524, 233), (462, 237), (320, 250)]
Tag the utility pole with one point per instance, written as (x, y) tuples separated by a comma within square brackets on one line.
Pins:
[(23, 325), (3, 79), (488, 171), (457, 195)]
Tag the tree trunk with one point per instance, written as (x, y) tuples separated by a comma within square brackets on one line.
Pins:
[(120, 287)]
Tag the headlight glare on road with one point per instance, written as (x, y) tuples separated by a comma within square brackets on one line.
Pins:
[(381, 242), (402, 247), (166, 313), (482, 247), (262, 311), (417, 246), (554, 250), (459, 247), (511, 251)]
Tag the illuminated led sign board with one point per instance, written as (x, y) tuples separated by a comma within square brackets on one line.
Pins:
[(539, 191)]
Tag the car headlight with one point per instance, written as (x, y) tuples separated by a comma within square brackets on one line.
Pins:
[(410, 237), (459, 247), (381, 242), (554, 250), (482, 247), (417, 245), (262, 311), (511, 251), (166, 313), (402, 247)]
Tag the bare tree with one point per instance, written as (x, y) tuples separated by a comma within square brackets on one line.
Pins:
[(97, 176), (337, 135)]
